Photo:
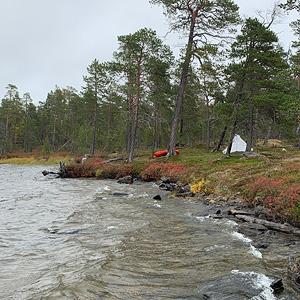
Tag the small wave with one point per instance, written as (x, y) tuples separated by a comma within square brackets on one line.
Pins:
[(260, 281), (255, 252), (202, 218), (244, 239), (241, 237)]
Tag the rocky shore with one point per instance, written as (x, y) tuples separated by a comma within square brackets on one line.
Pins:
[(254, 223)]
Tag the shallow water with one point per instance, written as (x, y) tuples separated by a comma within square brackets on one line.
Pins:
[(90, 239)]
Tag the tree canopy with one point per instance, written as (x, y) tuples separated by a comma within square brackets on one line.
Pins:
[(144, 98)]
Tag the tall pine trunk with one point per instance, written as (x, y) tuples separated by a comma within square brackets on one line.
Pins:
[(130, 114), (231, 137), (184, 73), (250, 127), (92, 151), (222, 136), (136, 115), (235, 114), (268, 134), (154, 144), (208, 133)]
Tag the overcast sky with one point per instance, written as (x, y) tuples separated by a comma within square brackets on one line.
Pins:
[(51, 42)]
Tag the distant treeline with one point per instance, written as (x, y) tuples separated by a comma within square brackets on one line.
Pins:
[(145, 99)]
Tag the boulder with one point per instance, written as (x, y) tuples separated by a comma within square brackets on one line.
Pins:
[(163, 186), (251, 155), (157, 198), (165, 179), (277, 286), (118, 194), (126, 180), (252, 228)]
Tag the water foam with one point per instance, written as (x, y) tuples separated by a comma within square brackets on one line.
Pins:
[(246, 240), (260, 281)]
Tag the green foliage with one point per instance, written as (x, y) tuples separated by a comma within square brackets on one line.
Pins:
[(46, 150)]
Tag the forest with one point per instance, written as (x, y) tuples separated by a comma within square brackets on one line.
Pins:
[(226, 81)]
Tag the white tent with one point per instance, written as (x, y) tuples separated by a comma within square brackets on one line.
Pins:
[(238, 145)]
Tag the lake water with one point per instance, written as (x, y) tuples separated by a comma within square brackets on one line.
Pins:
[(92, 239)]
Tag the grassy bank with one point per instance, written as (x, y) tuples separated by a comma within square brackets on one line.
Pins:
[(20, 158), (272, 180)]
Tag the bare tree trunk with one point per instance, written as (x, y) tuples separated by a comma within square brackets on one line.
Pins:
[(181, 127), (92, 150), (184, 73), (129, 115), (208, 134), (235, 114), (160, 130), (6, 125), (255, 128), (134, 131), (266, 141), (154, 145), (250, 127), (108, 140), (222, 136), (231, 137), (7, 117), (54, 133), (136, 116)]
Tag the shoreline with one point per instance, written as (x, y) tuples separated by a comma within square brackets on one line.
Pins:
[(195, 173)]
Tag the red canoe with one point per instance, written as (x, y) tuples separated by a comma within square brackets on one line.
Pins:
[(162, 153)]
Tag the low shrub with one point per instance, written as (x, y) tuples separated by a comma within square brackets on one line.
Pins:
[(200, 187), (176, 172), (279, 198), (81, 170)]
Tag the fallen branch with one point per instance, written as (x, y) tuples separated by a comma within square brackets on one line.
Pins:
[(115, 159), (270, 225)]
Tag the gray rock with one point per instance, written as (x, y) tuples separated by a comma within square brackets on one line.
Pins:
[(157, 198), (251, 155), (165, 179), (163, 186), (252, 228), (277, 286), (126, 180), (118, 194)]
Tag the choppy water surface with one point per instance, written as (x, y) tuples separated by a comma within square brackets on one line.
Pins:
[(88, 239)]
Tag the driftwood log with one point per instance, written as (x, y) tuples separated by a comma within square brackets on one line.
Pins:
[(114, 159), (63, 172), (270, 225)]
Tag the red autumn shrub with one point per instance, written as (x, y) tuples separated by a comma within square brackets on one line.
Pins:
[(178, 173), (279, 198), (125, 170), (81, 170), (107, 170), (78, 159), (155, 171)]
